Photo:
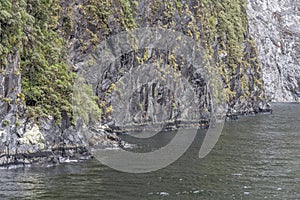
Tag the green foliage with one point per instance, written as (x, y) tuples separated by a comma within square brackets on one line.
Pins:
[(12, 18), (5, 123), (225, 28), (30, 27), (46, 78), (129, 21), (18, 123), (39, 30), (84, 101), (48, 90)]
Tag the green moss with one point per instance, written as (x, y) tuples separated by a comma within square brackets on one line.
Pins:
[(111, 88), (18, 124), (108, 110), (5, 123), (179, 6)]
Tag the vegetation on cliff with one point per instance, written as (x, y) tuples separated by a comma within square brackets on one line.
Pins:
[(32, 28), (43, 31)]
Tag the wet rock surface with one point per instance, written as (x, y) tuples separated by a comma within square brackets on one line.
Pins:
[(41, 147)]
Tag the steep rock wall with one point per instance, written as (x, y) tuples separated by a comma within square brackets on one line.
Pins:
[(274, 25), (44, 42), (221, 27)]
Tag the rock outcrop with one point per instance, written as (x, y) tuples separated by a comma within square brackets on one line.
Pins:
[(24, 143), (57, 39), (220, 27)]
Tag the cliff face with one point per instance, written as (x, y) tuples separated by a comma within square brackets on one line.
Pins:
[(275, 28), (45, 43), (220, 27)]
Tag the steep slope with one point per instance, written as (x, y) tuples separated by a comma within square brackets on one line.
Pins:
[(45, 43), (275, 27), (221, 27)]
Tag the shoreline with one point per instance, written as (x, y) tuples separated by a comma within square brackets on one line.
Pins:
[(68, 153)]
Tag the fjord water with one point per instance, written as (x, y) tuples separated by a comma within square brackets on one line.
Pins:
[(255, 158)]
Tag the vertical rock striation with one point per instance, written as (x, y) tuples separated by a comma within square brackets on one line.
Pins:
[(275, 26), (221, 27), (50, 41)]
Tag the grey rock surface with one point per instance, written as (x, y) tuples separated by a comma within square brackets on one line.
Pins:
[(275, 26)]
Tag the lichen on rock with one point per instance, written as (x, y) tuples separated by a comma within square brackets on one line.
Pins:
[(33, 137)]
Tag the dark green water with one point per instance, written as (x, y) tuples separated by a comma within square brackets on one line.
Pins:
[(255, 158)]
